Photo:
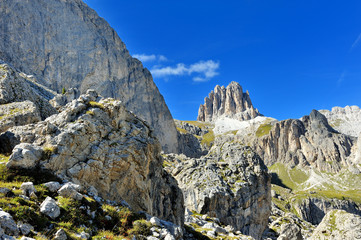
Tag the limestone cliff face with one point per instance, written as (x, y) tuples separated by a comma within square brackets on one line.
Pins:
[(98, 144), (314, 209), (64, 43), (231, 183), (346, 120), (309, 141), (229, 102)]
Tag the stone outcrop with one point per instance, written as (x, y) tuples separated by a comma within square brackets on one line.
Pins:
[(358, 150), (287, 226), (309, 141), (65, 44), (190, 145), (102, 146), (190, 139), (314, 209), (338, 225), (228, 102), (231, 183), (346, 120), (18, 87), (18, 114)]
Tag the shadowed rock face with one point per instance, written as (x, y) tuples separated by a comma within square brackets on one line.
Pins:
[(229, 102), (64, 43), (101, 145)]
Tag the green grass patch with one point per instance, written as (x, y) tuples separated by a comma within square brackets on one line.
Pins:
[(290, 178), (4, 158), (95, 104), (263, 129), (181, 130), (208, 138)]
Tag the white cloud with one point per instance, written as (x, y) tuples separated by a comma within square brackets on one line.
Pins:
[(356, 42), (150, 58), (162, 58), (204, 70)]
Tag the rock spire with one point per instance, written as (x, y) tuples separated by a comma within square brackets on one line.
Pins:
[(228, 101)]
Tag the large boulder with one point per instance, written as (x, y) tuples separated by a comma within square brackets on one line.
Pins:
[(101, 145), (231, 184), (75, 48), (18, 114)]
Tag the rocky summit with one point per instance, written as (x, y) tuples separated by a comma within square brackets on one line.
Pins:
[(228, 101), (75, 48)]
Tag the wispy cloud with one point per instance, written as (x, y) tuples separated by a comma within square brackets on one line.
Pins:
[(150, 58), (356, 42), (341, 78), (203, 70)]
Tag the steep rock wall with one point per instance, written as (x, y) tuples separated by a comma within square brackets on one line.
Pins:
[(65, 44)]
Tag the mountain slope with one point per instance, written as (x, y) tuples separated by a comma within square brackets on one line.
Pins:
[(65, 44)]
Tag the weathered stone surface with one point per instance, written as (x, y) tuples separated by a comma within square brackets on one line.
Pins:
[(338, 225), (61, 100), (314, 209), (190, 145), (346, 120), (60, 235), (18, 114), (358, 151), (287, 225), (70, 191), (25, 155), (309, 141), (227, 102), (50, 208), (102, 145), (52, 186), (18, 87), (290, 231), (75, 48), (27, 188), (231, 183), (25, 228), (8, 224)]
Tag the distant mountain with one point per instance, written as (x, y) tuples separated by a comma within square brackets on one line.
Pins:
[(228, 101), (65, 44), (346, 120)]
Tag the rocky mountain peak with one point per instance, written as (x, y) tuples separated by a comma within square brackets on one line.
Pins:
[(228, 101), (65, 44)]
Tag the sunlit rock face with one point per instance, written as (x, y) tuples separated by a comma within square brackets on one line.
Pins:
[(100, 145), (228, 101), (65, 44)]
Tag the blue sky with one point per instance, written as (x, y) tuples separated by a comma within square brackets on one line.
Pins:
[(292, 56)]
